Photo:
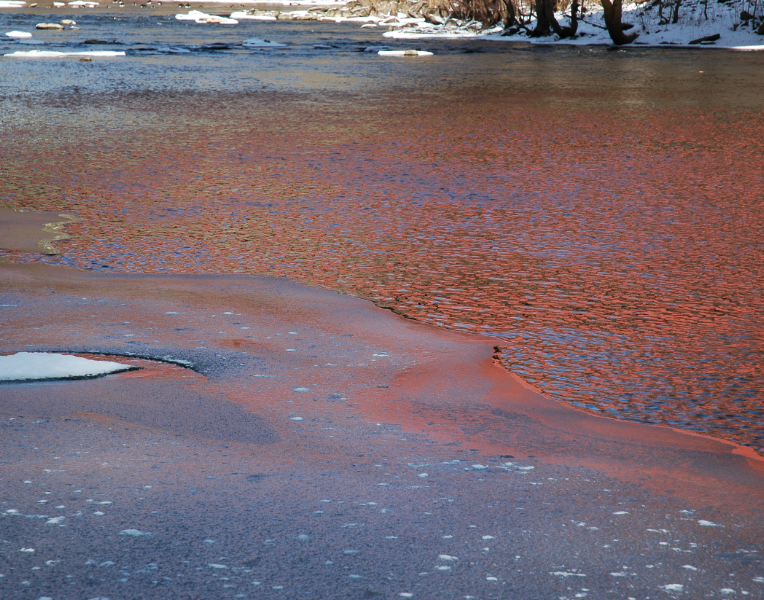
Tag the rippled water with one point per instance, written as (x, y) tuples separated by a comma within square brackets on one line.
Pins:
[(599, 213)]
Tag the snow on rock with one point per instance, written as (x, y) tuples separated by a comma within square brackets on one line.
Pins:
[(19, 35), (199, 17), (404, 53), (258, 43), (56, 54), (26, 366)]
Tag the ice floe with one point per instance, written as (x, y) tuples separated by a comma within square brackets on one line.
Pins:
[(258, 43), (26, 366), (673, 587), (199, 17), (56, 54), (407, 53), (19, 35), (11, 4)]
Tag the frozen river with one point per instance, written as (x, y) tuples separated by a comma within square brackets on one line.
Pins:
[(598, 212)]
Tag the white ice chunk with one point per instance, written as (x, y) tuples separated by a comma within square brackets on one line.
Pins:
[(55, 54), (11, 3), (45, 365), (703, 523), (404, 53), (673, 587), (19, 35), (199, 17), (134, 532)]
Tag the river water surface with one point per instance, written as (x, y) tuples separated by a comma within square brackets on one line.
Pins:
[(598, 212)]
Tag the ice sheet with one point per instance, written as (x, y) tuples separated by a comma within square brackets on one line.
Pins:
[(24, 366)]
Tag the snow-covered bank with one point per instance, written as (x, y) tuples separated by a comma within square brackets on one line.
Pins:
[(700, 23), (29, 366)]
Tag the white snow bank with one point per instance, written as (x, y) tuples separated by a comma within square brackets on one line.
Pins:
[(698, 20), (11, 4), (404, 53), (24, 366), (258, 43), (199, 17), (84, 3), (19, 35), (55, 54)]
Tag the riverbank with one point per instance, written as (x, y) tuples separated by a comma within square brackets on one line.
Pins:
[(318, 442), (699, 24)]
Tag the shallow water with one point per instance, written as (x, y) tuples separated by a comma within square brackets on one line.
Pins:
[(598, 212)]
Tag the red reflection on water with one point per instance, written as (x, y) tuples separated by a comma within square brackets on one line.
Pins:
[(616, 259)]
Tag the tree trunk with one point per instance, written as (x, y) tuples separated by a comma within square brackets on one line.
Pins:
[(675, 17), (613, 11), (570, 31), (507, 13), (544, 18)]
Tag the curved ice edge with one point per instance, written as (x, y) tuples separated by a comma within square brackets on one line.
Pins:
[(48, 366)]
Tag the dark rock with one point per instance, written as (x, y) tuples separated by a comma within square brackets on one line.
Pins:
[(708, 38)]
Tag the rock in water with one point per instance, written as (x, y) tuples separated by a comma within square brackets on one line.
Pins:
[(53, 26)]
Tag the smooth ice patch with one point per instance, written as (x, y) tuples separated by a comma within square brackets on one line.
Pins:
[(19, 35), (300, 389), (25, 366)]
